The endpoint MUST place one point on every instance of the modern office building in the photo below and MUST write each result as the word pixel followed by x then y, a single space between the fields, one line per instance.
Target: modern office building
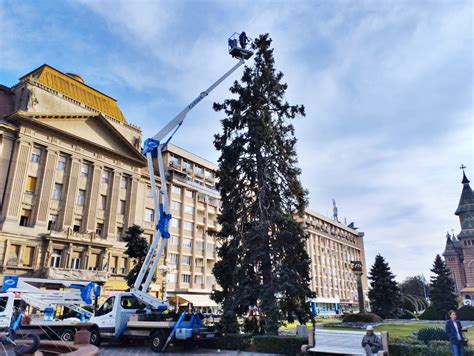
pixel 332 246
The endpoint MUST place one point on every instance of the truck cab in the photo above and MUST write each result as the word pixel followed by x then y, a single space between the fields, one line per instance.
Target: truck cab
pixel 112 316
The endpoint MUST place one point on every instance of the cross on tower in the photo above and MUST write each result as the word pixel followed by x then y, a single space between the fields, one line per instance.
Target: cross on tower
pixel 462 167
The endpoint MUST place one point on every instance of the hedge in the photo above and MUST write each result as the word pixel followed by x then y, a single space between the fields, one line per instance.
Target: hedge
pixel 465 313
pixel 434 348
pixel 240 342
pixel 431 314
pixel 362 318
pixel 288 345
pixel 430 334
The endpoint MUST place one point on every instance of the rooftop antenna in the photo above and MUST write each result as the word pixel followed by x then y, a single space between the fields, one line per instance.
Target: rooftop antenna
pixel 334 211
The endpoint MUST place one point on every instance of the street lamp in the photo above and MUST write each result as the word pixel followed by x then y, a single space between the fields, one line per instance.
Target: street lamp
pixel 356 267
pixel 165 270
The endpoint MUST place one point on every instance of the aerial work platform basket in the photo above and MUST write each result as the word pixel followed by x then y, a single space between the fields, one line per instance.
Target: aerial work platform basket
pixel 237 43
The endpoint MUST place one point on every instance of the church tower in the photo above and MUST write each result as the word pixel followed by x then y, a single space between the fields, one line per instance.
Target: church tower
pixel 459 253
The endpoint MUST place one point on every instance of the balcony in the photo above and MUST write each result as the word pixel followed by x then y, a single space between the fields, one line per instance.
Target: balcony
pixel 75 274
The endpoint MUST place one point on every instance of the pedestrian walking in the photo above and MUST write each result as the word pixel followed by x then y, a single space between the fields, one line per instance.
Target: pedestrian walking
pixel 454 331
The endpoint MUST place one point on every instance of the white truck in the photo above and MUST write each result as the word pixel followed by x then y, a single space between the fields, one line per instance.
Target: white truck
pixel 31 292
pixel 136 314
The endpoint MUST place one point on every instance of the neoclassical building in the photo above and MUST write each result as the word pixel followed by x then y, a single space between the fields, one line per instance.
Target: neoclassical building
pixel 73 179
pixel 459 251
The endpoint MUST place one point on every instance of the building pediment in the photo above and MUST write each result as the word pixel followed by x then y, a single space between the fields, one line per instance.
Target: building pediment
pixel 89 129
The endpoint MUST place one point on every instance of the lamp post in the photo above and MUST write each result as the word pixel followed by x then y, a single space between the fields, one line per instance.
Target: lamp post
pixel 164 286
pixel 356 267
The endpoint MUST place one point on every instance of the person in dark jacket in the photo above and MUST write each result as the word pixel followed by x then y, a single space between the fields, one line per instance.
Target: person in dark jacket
pixel 370 342
pixel 454 331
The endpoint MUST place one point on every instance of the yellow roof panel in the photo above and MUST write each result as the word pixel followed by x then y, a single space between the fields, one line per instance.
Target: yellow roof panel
pixel 75 89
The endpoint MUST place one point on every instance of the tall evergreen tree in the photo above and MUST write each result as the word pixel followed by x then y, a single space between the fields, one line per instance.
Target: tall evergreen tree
pixel 137 248
pixel 263 261
pixel 384 293
pixel 442 294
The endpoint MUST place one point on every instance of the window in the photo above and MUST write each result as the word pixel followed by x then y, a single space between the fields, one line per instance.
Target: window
pixel 188 243
pixel 121 207
pixel 188 225
pixel 36 155
pixel 123 268
pixel 57 191
pixel 175 190
pixel 85 169
pixel 189 193
pixel 119 233
pixel 30 185
pixel 186 165
pixel 99 229
pixel 149 215
pixel 186 260
pixel 131 302
pixel 198 279
pixel 56 258
pixel 186 278
pixel 81 197
pixel 77 225
pixel 53 219
pixel 61 163
pixel 174 240
pixel 25 217
pixel 198 170
pixel 174 160
pixel 113 267
pixel 175 205
pixel 27 258
pixel 123 182
pixel 210 280
pixel 105 176
pixel 76 260
pixel 176 223
pixel 209 174
pixel 199 245
pixel 13 255
pixel 172 258
pixel 94 261
pixel 210 247
pixel 106 308
pixel 172 277
pixel 189 209
pixel 102 202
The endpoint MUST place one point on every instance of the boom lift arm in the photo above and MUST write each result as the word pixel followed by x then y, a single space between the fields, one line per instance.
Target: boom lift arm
pixel 155 145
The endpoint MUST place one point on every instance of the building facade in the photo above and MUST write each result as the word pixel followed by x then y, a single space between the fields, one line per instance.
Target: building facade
pixel 459 251
pixel 73 179
pixel 332 247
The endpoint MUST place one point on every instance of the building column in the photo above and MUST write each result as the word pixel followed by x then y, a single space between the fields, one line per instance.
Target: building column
pixel 91 207
pixel 132 202
pixel 45 188
pixel 70 192
pixel 110 227
pixel 16 183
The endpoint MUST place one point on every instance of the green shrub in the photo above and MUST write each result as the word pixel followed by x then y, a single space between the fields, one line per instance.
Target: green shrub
pixel 405 349
pixel 431 314
pixel 430 334
pixel 288 345
pixel 362 318
pixel 466 313
pixel 240 342
pixel 439 348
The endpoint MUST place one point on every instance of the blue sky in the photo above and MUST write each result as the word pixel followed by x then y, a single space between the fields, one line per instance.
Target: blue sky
pixel 388 90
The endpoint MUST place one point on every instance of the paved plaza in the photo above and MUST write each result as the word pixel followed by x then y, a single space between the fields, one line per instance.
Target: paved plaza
pixel 133 350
